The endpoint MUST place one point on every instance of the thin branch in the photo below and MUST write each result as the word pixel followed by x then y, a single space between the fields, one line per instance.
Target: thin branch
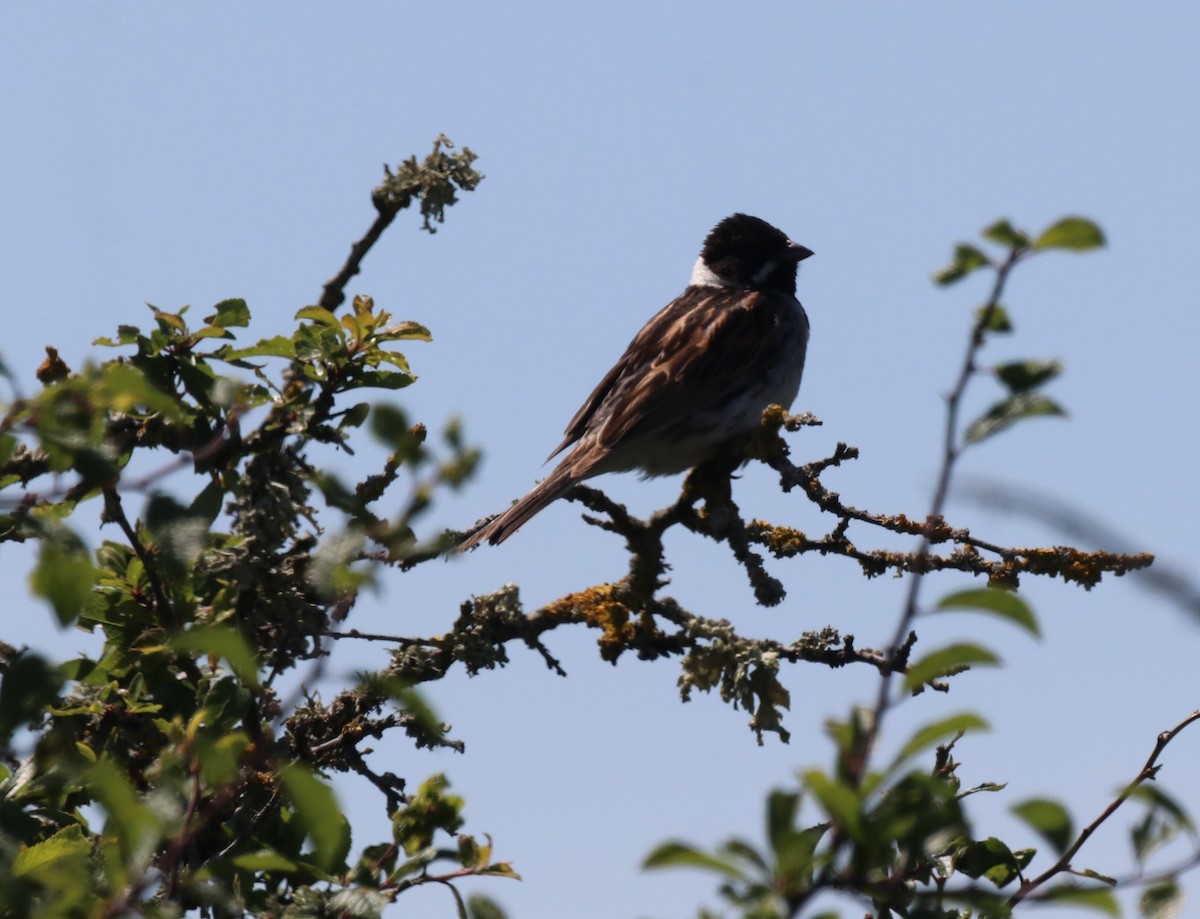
pixel 1148 772
pixel 951 450
pixel 114 512
pixel 333 294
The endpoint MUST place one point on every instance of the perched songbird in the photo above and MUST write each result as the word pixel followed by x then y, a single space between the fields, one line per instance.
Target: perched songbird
pixel 697 376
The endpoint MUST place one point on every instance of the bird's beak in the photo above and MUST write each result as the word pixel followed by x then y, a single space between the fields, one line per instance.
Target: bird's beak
pixel 798 252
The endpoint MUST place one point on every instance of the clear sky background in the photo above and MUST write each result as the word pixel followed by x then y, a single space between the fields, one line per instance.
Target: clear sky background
pixel 185 153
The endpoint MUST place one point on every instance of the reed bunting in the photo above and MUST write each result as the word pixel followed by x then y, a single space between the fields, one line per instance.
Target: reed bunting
pixel 696 377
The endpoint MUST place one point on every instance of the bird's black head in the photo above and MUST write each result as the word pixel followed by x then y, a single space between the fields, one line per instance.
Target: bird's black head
pixel 746 252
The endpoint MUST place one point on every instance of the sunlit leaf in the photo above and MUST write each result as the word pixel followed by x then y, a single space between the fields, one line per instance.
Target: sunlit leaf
pixel 795 858
pixel 1022 376
pixel 1100 899
pixel 319 814
pixel 946 662
pixel 221 758
pixel 67 851
pixel 279 346
pixel 681 855
pixel 356 415
pixel 64 577
pixel 967 258
pixel 1049 819
pixel 407 331
pixel 1008 412
pixel 1077 234
pixel 782 807
pixel 838 800
pixel 738 849
pixel 998 321
pixel 124 388
pixel 482 907
pixel 989 858
pixel 319 315
pixel 1003 233
pixel 1156 799
pixel 1163 900
pixel 937 731
pixel 131 821
pixel 29 684
pixel 222 642
pixel 358 903
pixel 233 313
pixel 1005 604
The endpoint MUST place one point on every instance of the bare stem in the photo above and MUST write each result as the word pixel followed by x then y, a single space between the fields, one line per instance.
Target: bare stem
pixel 1148 772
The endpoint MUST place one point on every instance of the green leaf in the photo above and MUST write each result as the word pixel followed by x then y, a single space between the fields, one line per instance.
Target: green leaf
pixel 989 858
pixel 320 315
pixel 1049 819
pixel 782 807
pixel 1002 603
pixel 29 684
pixel 265 861
pixel 1163 900
pixel 384 379
pixel 180 538
pixel 354 416
pixel 8 446
pixel 206 506
pixel 1096 875
pixel 413 331
pixel 1008 412
pixel 795 858
pixel 936 731
pixel 1077 234
pixel 221 757
pixel 1096 898
pixel 131 821
pixel 279 346
pixel 838 800
pixel 64 577
pixel 67 851
pixel 225 643
pixel 1150 834
pixel 125 388
pixel 430 810
pixel 481 907
pixel 946 662
pixel 967 258
pixel 459 902
pixel 318 813
pixel 358 903
pixel 1002 233
pixel 408 699
pixel 1022 376
pixel 676 854
pixel 998 322
pixel 1158 800
pixel 232 313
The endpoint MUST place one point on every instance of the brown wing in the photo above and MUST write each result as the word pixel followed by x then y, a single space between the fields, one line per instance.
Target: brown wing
pixel 691 357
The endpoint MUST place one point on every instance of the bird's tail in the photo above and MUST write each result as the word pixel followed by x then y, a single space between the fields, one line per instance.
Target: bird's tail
pixel 553 487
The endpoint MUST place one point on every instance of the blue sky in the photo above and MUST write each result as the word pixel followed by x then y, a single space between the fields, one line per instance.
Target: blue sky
pixel 184 153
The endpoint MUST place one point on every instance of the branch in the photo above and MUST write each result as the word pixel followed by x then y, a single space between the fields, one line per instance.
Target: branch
pixel 434 182
pixel 1148 772
pixel 333 294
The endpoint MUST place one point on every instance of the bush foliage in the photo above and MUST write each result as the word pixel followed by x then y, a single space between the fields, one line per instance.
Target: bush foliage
pixel 179 771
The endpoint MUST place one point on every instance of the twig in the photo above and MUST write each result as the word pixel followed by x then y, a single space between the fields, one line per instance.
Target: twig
pixel 951 450
pixel 116 513
pixel 1148 773
pixel 333 294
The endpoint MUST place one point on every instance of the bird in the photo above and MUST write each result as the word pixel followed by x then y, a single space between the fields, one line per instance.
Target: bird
pixel 697 376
